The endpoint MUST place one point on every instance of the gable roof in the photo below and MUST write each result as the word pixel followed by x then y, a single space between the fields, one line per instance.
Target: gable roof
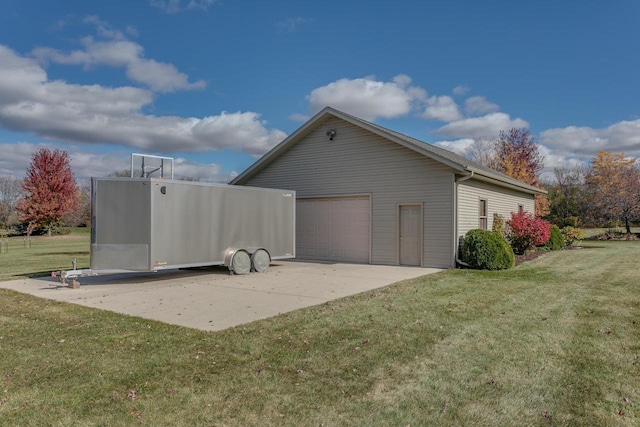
pixel 459 163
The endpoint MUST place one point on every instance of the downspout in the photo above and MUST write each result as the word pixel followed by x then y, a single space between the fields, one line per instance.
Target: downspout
pixel 456 244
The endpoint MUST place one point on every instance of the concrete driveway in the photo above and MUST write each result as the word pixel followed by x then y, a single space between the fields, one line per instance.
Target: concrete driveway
pixel 211 299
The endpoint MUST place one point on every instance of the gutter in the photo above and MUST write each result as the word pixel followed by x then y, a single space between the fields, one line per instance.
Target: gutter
pixel 456 244
pixel 508 182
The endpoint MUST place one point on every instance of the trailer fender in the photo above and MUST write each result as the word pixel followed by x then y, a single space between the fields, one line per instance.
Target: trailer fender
pixel 238 261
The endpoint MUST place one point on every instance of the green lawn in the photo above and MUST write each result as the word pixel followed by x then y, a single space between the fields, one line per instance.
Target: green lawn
pixel 592 232
pixel 555 341
pixel 44 254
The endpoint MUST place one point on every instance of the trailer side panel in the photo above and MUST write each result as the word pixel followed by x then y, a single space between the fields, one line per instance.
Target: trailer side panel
pixel 188 224
pixel 120 227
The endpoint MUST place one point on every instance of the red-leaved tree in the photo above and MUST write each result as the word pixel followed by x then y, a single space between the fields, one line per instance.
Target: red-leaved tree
pixel 526 231
pixel 49 190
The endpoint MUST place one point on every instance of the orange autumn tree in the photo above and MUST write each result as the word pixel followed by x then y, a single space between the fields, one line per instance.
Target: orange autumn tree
pixel 613 186
pixel 519 157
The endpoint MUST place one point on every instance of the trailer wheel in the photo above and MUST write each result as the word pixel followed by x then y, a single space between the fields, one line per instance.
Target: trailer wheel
pixel 260 261
pixel 240 263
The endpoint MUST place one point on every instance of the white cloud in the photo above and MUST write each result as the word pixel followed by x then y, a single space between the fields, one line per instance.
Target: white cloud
pixel 175 6
pixel 555 159
pixel 442 108
pixel 291 24
pixel 241 131
pixel 478 105
pixel 368 98
pixel 120 52
pixel 585 141
pixel 210 172
pixel 16 158
pixel 86 164
pixel 160 76
pixel 105 29
pixel 461 90
pixel 488 126
pixel 92 114
pixel 458 146
pixel 299 117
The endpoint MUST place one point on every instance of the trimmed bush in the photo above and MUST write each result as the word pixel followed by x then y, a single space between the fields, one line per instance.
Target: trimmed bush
pixel 572 235
pixel 526 231
pixel 487 250
pixel 556 241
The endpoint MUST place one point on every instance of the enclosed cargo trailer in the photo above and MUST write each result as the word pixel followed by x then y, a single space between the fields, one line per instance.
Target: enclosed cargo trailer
pixel 148 224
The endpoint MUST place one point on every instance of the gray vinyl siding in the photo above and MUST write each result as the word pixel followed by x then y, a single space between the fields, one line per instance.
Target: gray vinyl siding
pixel 358 162
pixel 500 201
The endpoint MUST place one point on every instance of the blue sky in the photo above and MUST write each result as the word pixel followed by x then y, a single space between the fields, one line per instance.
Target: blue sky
pixel 217 83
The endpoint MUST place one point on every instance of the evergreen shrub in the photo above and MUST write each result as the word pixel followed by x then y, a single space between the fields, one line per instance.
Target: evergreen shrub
pixel 487 250
pixel 556 240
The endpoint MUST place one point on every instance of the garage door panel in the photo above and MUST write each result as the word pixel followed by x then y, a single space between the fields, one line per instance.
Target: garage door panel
pixel 336 229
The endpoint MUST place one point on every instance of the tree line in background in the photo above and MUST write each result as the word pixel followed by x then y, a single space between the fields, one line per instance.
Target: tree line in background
pixel 605 193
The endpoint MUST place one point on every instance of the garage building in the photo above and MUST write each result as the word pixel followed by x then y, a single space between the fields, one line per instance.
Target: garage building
pixel 366 194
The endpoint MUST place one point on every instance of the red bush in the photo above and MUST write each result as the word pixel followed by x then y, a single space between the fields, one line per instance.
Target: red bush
pixel 527 231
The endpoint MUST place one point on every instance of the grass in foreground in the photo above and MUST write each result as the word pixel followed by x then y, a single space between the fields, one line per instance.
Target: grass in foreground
pixel 44 254
pixel 555 341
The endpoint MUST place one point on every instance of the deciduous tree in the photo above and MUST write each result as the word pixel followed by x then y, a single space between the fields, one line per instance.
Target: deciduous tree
pixel 484 151
pixel 519 157
pixel 613 184
pixel 567 196
pixel 81 215
pixel 49 190
pixel 10 192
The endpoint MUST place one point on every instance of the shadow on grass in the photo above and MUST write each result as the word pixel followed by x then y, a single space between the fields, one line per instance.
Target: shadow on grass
pixel 63 253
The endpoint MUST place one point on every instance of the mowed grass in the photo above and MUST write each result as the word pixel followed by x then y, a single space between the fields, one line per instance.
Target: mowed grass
pixel 593 232
pixel 44 254
pixel 555 341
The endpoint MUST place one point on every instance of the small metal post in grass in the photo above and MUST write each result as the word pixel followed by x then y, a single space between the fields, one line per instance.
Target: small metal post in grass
pixel 4 243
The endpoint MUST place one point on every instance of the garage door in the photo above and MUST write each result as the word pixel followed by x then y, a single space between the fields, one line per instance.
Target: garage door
pixel 333 229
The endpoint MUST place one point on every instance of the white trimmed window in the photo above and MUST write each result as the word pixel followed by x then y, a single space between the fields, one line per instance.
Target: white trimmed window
pixel 484 223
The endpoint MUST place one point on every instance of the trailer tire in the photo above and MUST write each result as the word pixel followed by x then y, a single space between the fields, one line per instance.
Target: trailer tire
pixel 260 261
pixel 240 263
